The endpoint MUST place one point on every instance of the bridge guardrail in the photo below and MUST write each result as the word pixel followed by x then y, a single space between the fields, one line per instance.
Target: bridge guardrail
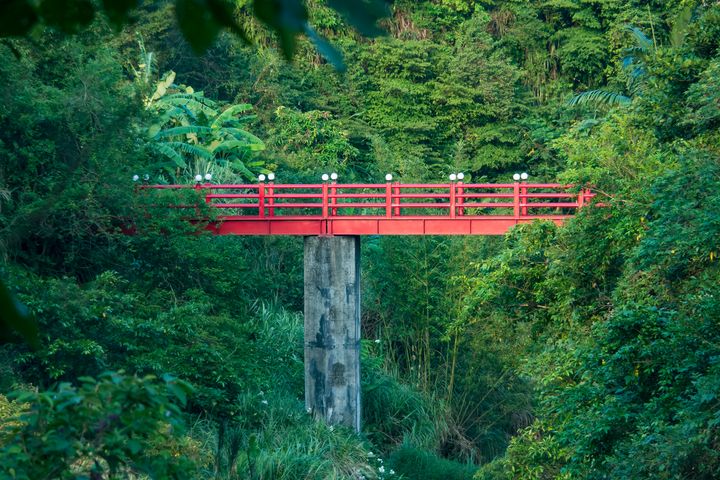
pixel 388 200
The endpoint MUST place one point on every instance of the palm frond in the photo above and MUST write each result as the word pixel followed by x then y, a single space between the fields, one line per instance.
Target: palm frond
pixel 239 134
pixel 680 27
pixel 166 150
pixel 230 145
pixel 174 113
pixel 599 98
pixel 230 113
pixel 644 43
pixel 184 130
pixel 238 165
pixel 189 149
pixel 192 101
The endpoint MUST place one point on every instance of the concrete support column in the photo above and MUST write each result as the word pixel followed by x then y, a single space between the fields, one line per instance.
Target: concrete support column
pixel 332 329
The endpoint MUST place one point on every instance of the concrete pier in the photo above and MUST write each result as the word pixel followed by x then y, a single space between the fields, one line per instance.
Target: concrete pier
pixel 332 329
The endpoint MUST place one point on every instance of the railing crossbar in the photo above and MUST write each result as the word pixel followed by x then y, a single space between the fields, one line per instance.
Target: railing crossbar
pixel 450 200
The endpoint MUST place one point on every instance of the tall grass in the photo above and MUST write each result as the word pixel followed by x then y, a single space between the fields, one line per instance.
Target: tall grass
pixel 394 413
pixel 272 436
pixel 417 464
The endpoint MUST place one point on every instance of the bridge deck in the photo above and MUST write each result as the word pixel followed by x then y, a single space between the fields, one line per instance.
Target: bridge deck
pixel 377 209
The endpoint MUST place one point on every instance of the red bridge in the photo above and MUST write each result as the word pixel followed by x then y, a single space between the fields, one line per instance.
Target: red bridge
pixel 395 208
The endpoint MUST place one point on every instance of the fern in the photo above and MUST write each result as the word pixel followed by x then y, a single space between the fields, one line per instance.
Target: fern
pixel 599 98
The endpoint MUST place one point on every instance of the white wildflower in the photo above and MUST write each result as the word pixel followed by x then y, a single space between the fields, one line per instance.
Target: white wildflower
pixel 381 469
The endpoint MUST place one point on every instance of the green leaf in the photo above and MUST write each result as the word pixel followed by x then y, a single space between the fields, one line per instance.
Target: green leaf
pixel 680 27
pixel 326 49
pixel 184 130
pixel 240 133
pixel 231 145
pixel 134 446
pixel 15 319
pixel 192 101
pixel 16 17
pixel 117 10
pixel 229 114
pixel 286 17
pixel 190 149
pixel 362 14
pixel 642 40
pixel 166 150
pixel 178 391
pixel 243 169
pixel 154 130
pixel 222 13
pixel 196 23
pixel 599 98
pixel 253 447
pixel 67 15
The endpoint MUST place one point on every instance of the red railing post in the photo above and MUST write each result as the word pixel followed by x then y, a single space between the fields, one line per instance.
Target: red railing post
pixel 207 188
pixel 397 199
pixel 333 200
pixel 198 189
pixel 324 200
pixel 271 199
pixel 388 200
pixel 261 200
pixel 524 200
pixel 581 199
pixel 460 198
pixel 452 200
pixel 516 200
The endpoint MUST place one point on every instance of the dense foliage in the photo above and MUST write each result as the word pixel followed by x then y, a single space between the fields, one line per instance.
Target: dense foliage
pixel 583 352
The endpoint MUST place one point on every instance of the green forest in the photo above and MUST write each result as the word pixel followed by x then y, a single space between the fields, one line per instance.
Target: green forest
pixel 585 351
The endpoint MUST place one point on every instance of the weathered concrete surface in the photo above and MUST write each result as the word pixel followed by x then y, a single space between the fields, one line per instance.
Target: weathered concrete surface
pixel 332 329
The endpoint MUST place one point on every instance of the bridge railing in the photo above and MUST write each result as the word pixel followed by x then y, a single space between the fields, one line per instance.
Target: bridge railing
pixel 388 200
